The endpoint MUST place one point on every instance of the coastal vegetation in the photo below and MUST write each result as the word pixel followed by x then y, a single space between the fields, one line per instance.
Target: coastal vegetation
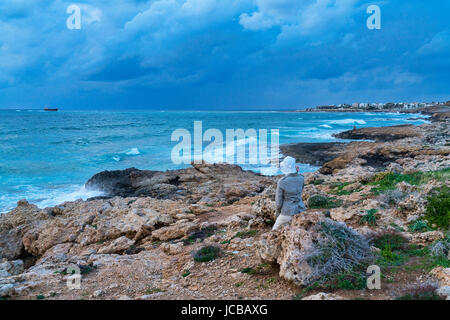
pixel 323 202
pixel 438 208
pixel 206 254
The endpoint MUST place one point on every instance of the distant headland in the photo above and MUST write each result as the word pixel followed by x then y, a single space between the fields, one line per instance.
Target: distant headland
pixel 380 107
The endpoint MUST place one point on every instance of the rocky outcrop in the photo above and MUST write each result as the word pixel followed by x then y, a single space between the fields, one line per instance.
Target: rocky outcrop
pixel 393 144
pixel 122 222
pixel 381 134
pixel 119 245
pixel 203 183
pixel 443 276
pixel 302 249
pixel 315 154
pixel 11 268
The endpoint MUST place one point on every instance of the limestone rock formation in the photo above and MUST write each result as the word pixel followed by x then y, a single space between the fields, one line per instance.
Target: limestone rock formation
pixel 303 249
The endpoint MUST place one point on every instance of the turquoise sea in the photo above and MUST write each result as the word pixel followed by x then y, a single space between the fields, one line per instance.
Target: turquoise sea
pixel 46 157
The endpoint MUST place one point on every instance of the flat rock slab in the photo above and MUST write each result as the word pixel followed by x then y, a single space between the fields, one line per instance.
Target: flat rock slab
pixel 381 134
pixel 316 154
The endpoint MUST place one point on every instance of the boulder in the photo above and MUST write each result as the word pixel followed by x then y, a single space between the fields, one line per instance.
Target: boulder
pixel 172 248
pixel 443 292
pixel 11 268
pixel 11 245
pixel 442 275
pixel 175 231
pixel 300 249
pixel 265 206
pixel 7 290
pixel 119 245
pixel 427 237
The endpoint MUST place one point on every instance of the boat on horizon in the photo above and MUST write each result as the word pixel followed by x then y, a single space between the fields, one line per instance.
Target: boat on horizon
pixel 51 109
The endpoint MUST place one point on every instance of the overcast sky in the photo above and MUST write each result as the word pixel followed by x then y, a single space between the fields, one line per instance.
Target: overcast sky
pixel 222 54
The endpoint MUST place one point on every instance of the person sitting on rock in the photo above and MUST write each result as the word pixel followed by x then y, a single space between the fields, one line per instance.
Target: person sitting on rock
pixel 289 193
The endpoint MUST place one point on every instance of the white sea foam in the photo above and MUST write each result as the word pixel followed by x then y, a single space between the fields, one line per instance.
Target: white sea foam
pixel 268 171
pixel 323 135
pixel 325 126
pixel 74 194
pixel 347 121
pixel 218 155
pixel 133 152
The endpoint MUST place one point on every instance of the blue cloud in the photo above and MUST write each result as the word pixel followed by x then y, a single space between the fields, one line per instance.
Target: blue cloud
pixel 221 53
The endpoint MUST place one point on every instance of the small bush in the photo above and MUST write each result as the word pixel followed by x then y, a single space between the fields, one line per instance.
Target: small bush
pixel 338 188
pixel 419 226
pixel 322 202
pixel 438 208
pixel 370 218
pixel 337 249
pixel 317 182
pixel 350 281
pixel 385 181
pixel 390 258
pixel 248 270
pixel 245 234
pixel 389 239
pixel 202 234
pixel 206 254
pixel 260 269
pixel 392 197
pixel 441 248
pixel 186 274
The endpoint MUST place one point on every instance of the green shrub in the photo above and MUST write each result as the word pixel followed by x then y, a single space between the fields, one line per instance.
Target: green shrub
pixel 306 290
pixel 186 274
pixel 438 208
pixel 385 181
pixel 248 270
pixel 322 202
pixel 206 254
pixel 350 281
pixel 245 234
pixel 370 218
pixel 153 291
pixel 202 234
pixel 317 182
pixel 419 226
pixel 440 262
pixel 393 248
pixel 338 188
pixel 388 257
pixel 389 239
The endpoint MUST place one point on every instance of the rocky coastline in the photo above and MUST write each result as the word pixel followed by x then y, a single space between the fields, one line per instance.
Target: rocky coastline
pixel 146 238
